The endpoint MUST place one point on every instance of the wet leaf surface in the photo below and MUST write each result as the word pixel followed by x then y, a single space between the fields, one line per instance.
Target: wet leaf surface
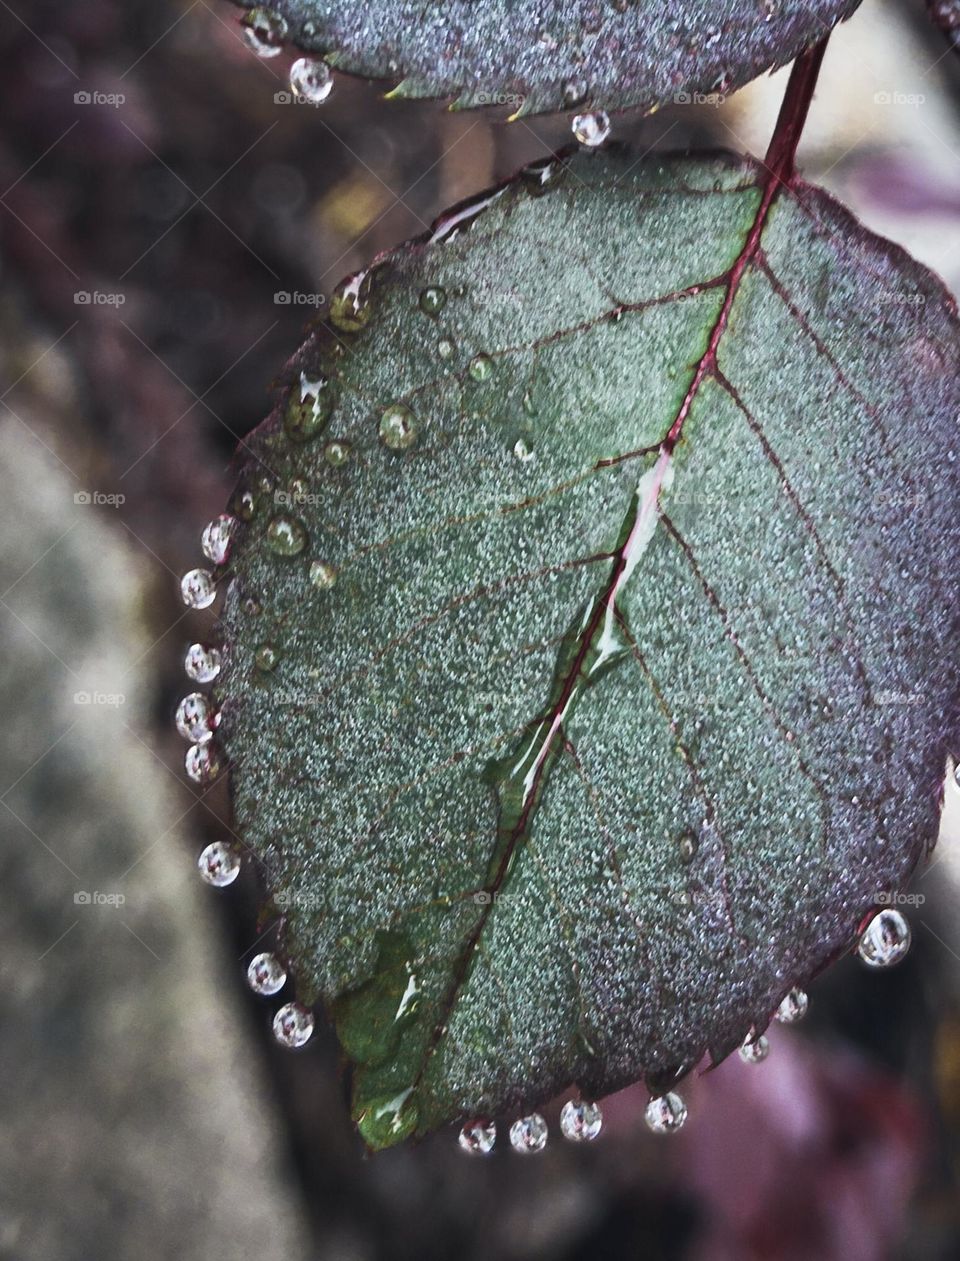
pixel 533 57
pixel 589 652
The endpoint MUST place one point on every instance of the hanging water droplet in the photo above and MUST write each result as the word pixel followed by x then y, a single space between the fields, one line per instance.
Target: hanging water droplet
pixel 580 1121
pixel 308 415
pixel 286 536
pixel 322 575
pixel 478 1137
pixel 397 428
pixel 529 1134
pixel 266 975
pixel 266 657
pixel 591 130
pixel 264 31
pixel 293 1025
pixel 793 1007
pixel 480 367
pixel 219 864
pixel 201 663
pixel 193 718
pixel 433 300
pixel 310 78
pixel 336 453
pixel 202 763
pixel 350 302
pixel 523 451
pixel 753 1050
pixel 885 940
pixel 446 348
pixel 217 537
pixel 198 589
pixel 666 1113
pixel 575 92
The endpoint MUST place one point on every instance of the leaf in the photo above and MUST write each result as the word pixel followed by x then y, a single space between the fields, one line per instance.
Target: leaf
pixel 605 678
pixel 535 56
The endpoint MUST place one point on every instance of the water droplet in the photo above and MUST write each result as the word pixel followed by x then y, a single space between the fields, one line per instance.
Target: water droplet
pixel 793 1007
pixel 478 1137
pixel 433 300
pixel 193 718
pixel 286 536
pixel 336 453
pixel 217 537
pixel 540 176
pixel 580 1121
pixel 885 940
pixel 264 31
pixel 397 428
pixel 480 368
pixel 198 589
pixel 244 504
pixel 322 575
pixel 754 1049
pixel 575 92
pixel 529 406
pixel 687 846
pixel 665 1113
pixel 201 663
pixel 202 763
pixel 266 657
pixel 770 9
pixel 311 78
pixel 293 1025
pixel 593 129
pixel 350 303
pixel 266 974
pixel 523 451
pixel 219 864
pixel 529 1134
pixel 308 415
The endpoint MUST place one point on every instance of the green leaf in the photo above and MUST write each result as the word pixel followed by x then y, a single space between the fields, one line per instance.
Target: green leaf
pixel 534 56
pixel 611 616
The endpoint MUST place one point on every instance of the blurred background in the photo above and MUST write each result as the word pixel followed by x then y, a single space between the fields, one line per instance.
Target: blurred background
pixel 156 199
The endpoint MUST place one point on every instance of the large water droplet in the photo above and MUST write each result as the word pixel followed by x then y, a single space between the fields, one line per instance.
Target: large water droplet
pixel 193 718
pixel 478 1137
pixel 885 940
pixel 433 300
pixel 293 1025
pixel 591 130
pixel 264 31
pixel 529 1134
pixel 350 303
pixel 397 428
pixel 307 415
pixel 198 589
pixel 201 663
pixel 266 974
pixel 666 1113
pixel 322 575
pixel 202 763
pixel 219 864
pixel 480 368
pixel 311 79
pixel 217 537
pixel 754 1049
pixel 580 1121
pixel 523 451
pixel 793 1007
pixel 286 536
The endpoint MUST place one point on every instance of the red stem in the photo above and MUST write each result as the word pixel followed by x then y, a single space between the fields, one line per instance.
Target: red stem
pixel 782 152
